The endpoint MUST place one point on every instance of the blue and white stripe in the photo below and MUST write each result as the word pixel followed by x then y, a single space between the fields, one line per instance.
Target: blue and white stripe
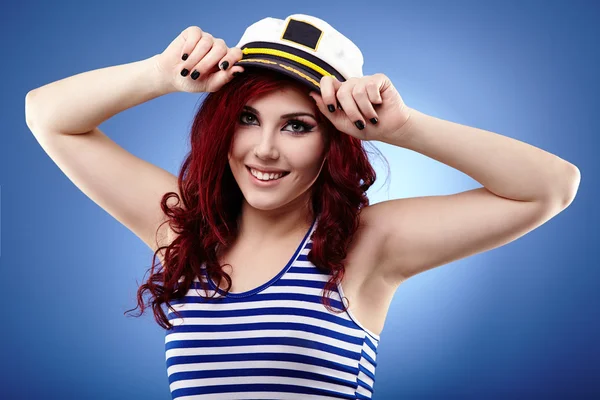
pixel 273 342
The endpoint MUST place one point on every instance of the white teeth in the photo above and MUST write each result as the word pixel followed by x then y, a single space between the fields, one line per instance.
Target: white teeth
pixel 265 176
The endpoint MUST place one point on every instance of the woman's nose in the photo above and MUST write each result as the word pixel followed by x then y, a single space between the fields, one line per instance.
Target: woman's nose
pixel 267 145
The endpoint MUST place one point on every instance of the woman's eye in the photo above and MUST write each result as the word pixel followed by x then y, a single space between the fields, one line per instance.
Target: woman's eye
pixel 297 125
pixel 246 115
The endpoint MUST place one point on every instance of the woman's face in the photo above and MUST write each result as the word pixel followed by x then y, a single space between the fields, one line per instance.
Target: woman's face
pixel 266 139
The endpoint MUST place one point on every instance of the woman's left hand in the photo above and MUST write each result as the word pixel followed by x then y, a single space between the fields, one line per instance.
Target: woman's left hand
pixel 361 99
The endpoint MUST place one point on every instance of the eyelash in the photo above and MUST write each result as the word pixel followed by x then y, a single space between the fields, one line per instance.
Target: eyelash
pixel 307 127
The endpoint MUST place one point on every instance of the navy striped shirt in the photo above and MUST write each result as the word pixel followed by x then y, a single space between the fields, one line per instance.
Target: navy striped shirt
pixel 276 341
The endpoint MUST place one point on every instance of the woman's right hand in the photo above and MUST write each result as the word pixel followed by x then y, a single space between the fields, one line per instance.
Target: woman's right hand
pixel 205 55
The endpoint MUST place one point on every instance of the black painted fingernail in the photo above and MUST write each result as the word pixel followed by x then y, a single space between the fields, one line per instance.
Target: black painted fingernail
pixel 331 107
pixel 195 75
pixel 373 120
pixel 237 73
pixel 359 124
pixel 340 106
pixel 184 57
pixel 224 65
pixel 184 72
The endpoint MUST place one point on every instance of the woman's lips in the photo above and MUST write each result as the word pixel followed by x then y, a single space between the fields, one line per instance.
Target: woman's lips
pixel 271 182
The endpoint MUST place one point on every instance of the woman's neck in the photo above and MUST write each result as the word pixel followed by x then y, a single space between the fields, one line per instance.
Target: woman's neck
pixel 260 227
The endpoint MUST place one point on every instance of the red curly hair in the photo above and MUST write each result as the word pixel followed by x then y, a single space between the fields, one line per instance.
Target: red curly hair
pixel 212 200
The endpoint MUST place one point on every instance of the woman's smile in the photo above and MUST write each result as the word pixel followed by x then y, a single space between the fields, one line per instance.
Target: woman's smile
pixel 265 183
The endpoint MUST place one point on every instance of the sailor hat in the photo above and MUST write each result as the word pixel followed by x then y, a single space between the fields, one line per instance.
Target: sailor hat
pixel 301 46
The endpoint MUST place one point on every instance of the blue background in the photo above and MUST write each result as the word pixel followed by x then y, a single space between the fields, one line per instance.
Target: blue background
pixel 517 322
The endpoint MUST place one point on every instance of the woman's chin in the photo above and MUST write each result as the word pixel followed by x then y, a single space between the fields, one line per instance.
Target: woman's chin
pixel 263 201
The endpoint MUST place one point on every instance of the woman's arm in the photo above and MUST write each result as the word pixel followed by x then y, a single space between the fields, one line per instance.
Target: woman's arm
pixel 524 187
pixel 506 167
pixel 79 103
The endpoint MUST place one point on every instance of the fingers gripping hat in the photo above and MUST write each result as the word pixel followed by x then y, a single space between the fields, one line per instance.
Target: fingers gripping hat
pixel 301 46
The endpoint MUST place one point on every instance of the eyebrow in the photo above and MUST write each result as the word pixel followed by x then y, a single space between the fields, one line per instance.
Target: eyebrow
pixel 291 115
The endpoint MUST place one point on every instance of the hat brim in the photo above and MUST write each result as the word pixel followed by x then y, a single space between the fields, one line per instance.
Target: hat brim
pixel 303 75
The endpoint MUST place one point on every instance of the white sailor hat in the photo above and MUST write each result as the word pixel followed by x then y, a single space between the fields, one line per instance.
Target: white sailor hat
pixel 301 46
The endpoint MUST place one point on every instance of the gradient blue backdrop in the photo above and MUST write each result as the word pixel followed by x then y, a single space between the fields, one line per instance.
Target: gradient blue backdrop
pixel 517 322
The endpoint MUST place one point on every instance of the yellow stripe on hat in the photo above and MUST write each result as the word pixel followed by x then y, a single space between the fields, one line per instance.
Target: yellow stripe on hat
pixel 289 56
pixel 294 70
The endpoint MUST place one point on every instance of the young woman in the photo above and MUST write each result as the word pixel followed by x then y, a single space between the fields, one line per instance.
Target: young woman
pixel 277 271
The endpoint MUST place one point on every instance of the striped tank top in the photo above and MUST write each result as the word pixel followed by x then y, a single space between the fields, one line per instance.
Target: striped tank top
pixel 276 341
